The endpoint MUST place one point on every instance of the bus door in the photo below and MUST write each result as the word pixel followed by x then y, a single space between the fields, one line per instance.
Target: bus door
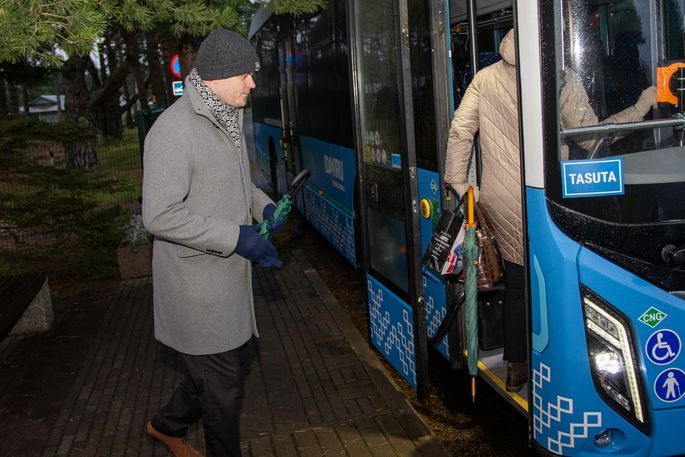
pixel 290 141
pixel 431 101
pixel 605 179
pixel 475 33
pixel 388 185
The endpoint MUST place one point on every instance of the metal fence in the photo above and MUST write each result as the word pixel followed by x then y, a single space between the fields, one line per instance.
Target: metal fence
pixel 118 160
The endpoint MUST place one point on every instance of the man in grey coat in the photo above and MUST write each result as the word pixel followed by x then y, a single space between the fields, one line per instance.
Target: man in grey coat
pixel 199 202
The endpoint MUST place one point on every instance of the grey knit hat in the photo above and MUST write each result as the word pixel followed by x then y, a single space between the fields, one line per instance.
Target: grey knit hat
pixel 224 54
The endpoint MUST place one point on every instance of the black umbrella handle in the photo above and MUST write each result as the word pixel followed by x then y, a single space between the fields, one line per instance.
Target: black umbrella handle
pixel 298 182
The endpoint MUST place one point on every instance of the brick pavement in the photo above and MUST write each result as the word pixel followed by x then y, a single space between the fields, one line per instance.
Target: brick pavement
pixel 313 385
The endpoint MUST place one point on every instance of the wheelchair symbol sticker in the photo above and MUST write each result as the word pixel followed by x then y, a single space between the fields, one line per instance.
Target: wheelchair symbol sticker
pixel 663 347
pixel 670 385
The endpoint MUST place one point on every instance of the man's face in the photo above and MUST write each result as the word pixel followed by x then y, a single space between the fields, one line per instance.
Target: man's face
pixel 234 90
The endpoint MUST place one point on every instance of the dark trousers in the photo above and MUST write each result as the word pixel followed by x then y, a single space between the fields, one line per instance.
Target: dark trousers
pixel 515 315
pixel 209 391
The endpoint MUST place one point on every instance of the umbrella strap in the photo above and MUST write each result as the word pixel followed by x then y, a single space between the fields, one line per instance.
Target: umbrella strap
pixel 450 315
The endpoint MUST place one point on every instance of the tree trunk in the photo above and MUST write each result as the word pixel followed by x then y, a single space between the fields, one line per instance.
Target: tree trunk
pixel 133 59
pixel 14 98
pixel 25 98
pixel 129 116
pixel 4 109
pixel 77 95
pixel 81 156
pixel 187 56
pixel 113 124
pixel 155 70
pixel 110 124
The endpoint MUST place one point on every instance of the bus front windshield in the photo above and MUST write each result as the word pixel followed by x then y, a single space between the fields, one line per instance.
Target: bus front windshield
pixel 612 103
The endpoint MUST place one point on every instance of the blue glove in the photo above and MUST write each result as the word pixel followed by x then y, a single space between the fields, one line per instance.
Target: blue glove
pixel 270 262
pixel 254 247
pixel 268 214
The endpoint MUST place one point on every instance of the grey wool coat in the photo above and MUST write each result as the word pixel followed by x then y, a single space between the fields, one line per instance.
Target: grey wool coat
pixel 197 191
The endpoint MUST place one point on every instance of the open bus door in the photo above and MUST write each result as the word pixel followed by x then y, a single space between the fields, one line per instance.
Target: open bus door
pixel 476 30
pixel 388 185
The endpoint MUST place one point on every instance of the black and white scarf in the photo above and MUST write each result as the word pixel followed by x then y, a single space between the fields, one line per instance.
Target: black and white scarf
pixel 226 115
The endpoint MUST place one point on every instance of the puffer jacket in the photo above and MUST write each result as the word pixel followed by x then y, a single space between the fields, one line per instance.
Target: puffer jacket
pixel 490 106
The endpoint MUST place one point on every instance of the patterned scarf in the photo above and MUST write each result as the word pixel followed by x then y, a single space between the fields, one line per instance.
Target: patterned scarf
pixel 226 115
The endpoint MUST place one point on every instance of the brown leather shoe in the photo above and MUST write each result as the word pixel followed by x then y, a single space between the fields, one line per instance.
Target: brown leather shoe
pixel 178 446
pixel 517 375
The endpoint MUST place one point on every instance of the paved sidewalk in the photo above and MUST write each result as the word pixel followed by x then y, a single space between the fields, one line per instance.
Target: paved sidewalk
pixel 313 388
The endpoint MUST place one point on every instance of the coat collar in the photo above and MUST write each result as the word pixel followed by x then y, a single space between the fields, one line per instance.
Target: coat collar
pixel 200 107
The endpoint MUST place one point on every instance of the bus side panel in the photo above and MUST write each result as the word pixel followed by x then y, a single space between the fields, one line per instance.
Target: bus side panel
pixel 392 332
pixel 436 309
pixel 429 191
pixel 567 411
pixel 333 169
pixel 336 225
pixel 329 193
pixel 433 285
pixel 267 141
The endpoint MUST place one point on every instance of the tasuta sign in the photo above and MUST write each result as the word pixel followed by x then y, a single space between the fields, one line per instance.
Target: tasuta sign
pixel 592 178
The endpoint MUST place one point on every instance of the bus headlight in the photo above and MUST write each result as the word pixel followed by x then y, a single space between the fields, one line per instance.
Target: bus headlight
pixel 614 367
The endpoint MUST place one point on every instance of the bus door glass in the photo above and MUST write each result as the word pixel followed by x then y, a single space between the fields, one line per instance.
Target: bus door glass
pixel 381 149
pixel 614 54
pixel 288 105
pixel 387 171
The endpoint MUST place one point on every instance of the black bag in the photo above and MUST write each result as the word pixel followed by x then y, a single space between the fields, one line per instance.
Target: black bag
pixel 443 254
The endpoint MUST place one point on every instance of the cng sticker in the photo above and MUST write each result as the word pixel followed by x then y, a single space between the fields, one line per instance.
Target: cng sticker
pixel 670 385
pixel 652 317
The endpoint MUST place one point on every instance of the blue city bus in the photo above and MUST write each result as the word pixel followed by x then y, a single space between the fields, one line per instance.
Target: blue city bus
pixel 604 203
pixel 302 116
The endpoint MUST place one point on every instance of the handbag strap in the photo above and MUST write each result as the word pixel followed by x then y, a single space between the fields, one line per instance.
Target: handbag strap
pixel 483 221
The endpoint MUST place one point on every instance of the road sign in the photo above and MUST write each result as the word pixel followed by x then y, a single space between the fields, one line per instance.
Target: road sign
pixel 175 66
pixel 177 86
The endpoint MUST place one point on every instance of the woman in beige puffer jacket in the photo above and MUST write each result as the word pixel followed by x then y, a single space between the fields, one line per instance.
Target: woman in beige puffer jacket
pixel 490 106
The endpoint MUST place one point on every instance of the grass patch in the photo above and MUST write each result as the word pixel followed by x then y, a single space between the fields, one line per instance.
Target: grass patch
pixel 121 160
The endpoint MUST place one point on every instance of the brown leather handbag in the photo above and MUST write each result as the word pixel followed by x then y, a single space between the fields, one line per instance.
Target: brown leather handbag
pixel 490 269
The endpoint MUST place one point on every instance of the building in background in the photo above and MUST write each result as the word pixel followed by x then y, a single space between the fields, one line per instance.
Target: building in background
pixel 47 108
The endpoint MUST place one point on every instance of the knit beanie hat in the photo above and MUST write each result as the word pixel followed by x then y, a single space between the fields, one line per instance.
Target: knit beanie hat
pixel 224 54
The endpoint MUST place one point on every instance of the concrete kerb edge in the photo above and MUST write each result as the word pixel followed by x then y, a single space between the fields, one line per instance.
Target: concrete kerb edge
pixel 383 380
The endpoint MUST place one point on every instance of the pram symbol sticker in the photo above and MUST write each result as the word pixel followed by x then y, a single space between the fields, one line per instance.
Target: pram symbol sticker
pixel 663 347
pixel 670 385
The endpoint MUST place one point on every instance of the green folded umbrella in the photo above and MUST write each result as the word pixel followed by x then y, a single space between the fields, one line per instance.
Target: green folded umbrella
pixel 471 253
pixel 285 204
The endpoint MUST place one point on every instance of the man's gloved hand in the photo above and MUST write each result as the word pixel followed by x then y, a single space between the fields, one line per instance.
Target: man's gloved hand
pixel 276 226
pixel 647 100
pixel 271 262
pixel 255 248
